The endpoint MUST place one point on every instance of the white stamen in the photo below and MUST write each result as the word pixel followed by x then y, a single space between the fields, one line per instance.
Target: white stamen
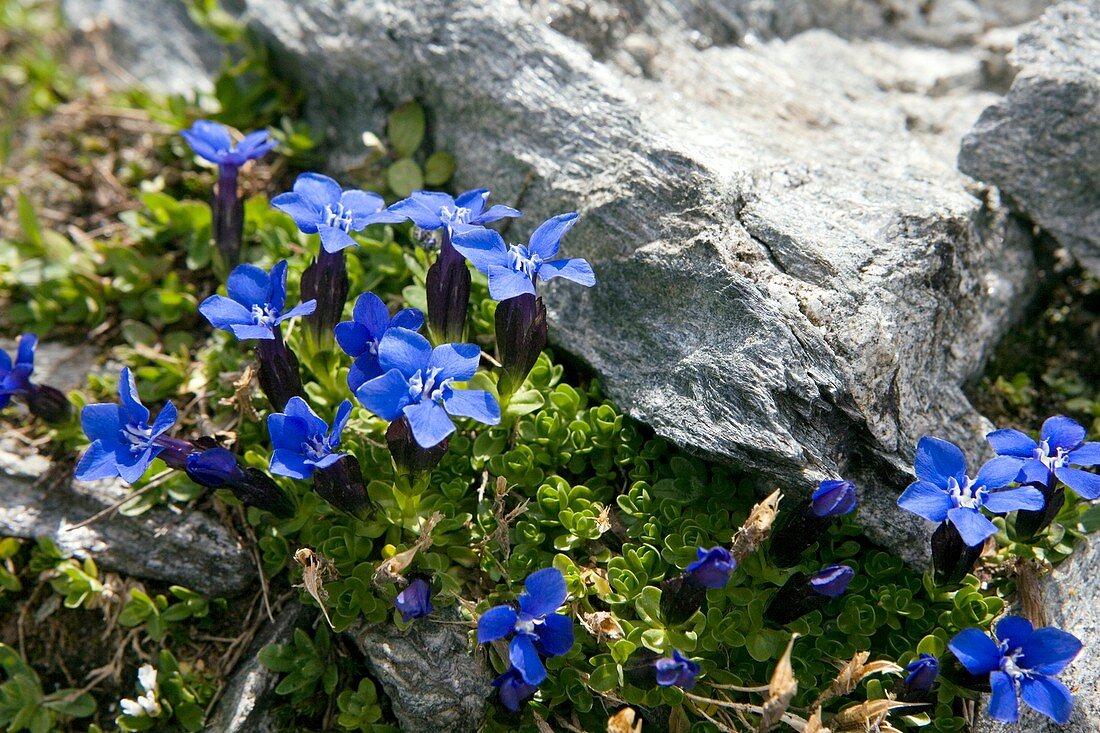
pixel 337 216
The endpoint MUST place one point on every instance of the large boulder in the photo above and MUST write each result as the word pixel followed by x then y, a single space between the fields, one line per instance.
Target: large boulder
pixel 1040 145
pixel 792 275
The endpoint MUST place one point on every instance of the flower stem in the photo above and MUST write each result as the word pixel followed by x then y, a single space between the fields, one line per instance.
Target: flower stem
pixel 227 208
pixel 278 371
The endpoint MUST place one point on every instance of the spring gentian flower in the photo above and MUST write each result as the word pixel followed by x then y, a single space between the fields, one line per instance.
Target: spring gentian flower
pixel 417 382
pixel 302 440
pixel 923 672
pixel 15 378
pixel 432 210
pixel 677 670
pixel 123 441
pixel 255 303
pixel 211 141
pixel 1061 445
pixel 833 499
pixel 513 690
pixel 319 206
pixel 415 601
pixel 218 468
pixel 1021 663
pixel 712 567
pixel 832 581
pixel 537 629
pixel 512 270
pixel 359 337
pixel 944 491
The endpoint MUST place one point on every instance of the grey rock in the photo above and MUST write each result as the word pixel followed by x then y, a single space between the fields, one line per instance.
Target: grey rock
pixel 1040 145
pixel 434 681
pixel 249 696
pixel 1069 595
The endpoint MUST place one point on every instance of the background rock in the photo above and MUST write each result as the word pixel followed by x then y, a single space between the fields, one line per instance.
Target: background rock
pixel 1040 145
pixel 434 683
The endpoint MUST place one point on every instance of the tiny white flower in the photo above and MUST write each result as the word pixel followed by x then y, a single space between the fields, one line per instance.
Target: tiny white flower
pixel 147 678
pixel 131 708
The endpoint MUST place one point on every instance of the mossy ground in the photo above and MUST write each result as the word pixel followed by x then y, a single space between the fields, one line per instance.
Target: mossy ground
pixel 110 243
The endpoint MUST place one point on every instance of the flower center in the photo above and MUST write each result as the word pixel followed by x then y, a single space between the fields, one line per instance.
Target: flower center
pixel 337 216
pixel 422 385
pixel 138 435
pixel 264 315
pixel 316 447
pixel 457 215
pixel 1054 460
pixel 966 495
pixel 526 624
pixel 1008 662
pixel 522 260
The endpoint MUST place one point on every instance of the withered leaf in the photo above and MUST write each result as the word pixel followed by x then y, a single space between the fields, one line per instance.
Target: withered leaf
pixel 781 689
pixel 602 625
pixel 624 722
pixel 756 528
pixel 316 569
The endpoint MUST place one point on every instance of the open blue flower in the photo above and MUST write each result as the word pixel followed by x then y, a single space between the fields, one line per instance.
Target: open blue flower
pixel 359 337
pixel 512 269
pixel 833 498
pixel 415 601
pixel 1021 664
pixel 255 304
pixel 712 567
pixel 211 141
pixel 123 441
pixel 1061 445
pixel 15 379
pixel 431 210
pixel 513 690
pixel 923 672
pixel 832 581
pixel 944 491
pixel 302 441
pixel 676 671
pixel 537 629
pixel 418 382
pixel 319 206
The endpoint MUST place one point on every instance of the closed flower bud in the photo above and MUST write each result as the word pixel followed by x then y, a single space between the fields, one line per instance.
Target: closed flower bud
pixel 341 485
pixel 415 601
pixel 952 558
pixel 326 281
pixel 214 467
pixel 448 294
pixel 923 673
pixel 411 461
pixel 805 524
pixel 278 372
pixel 803 593
pixel 217 468
pixel 521 337
pixel 49 404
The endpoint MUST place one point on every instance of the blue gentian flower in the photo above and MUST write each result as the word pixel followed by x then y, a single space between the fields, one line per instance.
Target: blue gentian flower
pixel 712 568
pixel 537 629
pixel 431 210
pixel 1061 445
pixel 211 141
pixel 677 670
pixel 123 441
pixel 302 440
pixel 832 581
pixel 255 304
pixel 944 491
pixel 1021 663
pixel 512 270
pixel 15 378
pixel 417 382
pixel 359 337
pixel 319 206
pixel 923 672
pixel 833 498
pixel 415 601
pixel 513 690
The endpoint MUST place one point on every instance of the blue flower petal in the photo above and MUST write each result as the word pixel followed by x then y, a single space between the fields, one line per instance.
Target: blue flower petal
pixel 1049 650
pixel 98 462
pixel 299 409
pixel 524 657
pixel 166 418
pixel 276 294
pixel 1034 471
pixel 385 395
pixel 1087 455
pixel 353 338
pixel 302 309
pixel 545 592
pixel 976 651
pixel 290 463
pixel 1003 705
pixel 128 396
pixel 1001 502
pixel 998 472
pixel 1009 442
pixel 318 190
pixel 304 214
pixel 926 500
pixel 455 361
pixel 973 526
pixel 505 283
pixel 473 403
pixel 1062 432
pixel 343 413
pixel 498 212
pixel 326 461
pixel 576 269
pixel 404 350
pixel 555 635
pixel 937 461
pixel 224 312
pixel 134 470
pixel 371 313
pixel 420 215
pixel 484 248
pixel 474 200
pixel 496 623
pixel 361 204
pixel 1048 696
pixel 410 318
pixel 102 421
pixel 429 423
pixel 286 431
pixel 1015 630
pixel 25 350
pixel 248 333
pixel 362 370
pixel 546 239
pixel 1087 485
pixel 249 285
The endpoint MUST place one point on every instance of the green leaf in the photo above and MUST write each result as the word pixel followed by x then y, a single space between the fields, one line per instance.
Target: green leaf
pixel 606 677
pixel 438 168
pixel 406 130
pixel 404 177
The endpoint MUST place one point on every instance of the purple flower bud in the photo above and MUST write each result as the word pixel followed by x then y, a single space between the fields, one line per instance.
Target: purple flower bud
pixel 278 371
pixel 410 460
pixel 415 601
pixel 834 498
pixel 448 293
pixel 326 281
pixel 952 558
pixel 217 468
pixel 922 673
pixel 49 404
pixel 513 690
pixel 341 485
pixel 677 670
pixel 713 567
pixel 832 581
pixel 213 468
pixel 521 337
